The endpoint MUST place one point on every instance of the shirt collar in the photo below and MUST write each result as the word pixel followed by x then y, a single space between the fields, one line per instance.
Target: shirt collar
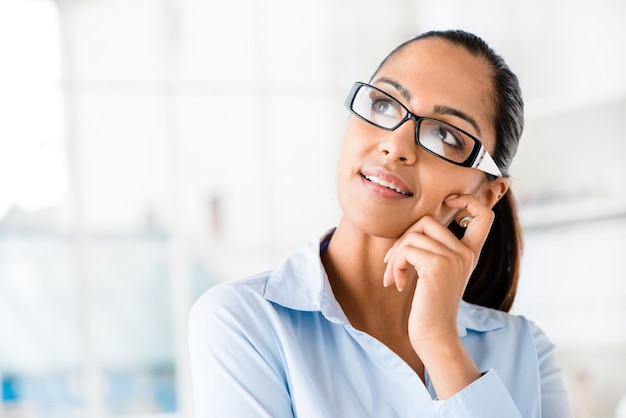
pixel 300 283
pixel 477 318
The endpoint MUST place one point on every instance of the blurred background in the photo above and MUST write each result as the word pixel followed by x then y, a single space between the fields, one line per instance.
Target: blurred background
pixel 152 148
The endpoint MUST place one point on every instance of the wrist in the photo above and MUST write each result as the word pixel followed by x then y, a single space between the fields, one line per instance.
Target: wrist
pixel 449 366
pixel 433 338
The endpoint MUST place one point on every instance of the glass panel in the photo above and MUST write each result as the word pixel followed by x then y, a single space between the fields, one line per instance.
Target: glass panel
pixel 40 344
pixel 131 319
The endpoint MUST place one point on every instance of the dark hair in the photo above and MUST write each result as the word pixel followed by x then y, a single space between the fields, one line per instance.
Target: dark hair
pixel 494 281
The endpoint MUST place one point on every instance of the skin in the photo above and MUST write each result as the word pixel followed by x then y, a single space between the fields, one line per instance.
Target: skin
pixel 397 271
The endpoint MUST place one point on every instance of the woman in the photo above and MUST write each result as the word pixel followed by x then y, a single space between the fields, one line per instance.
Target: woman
pixel 369 321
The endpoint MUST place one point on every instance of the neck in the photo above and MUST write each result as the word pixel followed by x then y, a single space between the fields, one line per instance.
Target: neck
pixel 354 264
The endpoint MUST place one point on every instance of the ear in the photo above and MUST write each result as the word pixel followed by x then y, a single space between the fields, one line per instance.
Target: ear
pixel 492 191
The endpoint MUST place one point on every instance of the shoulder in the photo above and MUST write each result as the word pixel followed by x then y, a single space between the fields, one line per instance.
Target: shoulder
pixel 512 327
pixel 234 319
pixel 230 302
pixel 237 288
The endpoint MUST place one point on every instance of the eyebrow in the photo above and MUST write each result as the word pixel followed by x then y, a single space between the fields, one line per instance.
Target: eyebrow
pixel 438 109
pixel 399 87
pixel 445 110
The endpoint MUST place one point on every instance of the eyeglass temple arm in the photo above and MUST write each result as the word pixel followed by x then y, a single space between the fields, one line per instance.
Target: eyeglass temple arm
pixel 485 163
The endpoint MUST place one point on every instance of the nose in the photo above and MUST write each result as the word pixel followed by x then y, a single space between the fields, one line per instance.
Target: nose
pixel 399 145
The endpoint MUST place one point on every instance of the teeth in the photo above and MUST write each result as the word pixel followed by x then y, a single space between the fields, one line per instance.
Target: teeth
pixel 385 184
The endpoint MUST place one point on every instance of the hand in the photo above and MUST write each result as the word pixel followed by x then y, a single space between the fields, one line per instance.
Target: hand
pixel 429 253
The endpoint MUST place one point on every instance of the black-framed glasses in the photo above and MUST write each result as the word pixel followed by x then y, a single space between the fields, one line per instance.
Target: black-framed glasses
pixel 437 137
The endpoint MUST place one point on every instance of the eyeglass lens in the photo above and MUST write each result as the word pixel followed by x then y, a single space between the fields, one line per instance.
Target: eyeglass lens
pixel 384 111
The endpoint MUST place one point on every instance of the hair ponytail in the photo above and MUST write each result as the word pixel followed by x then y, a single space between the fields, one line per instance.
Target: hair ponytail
pixel 494 281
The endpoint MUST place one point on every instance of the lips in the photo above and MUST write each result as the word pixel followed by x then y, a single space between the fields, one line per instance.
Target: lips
pixel 388 181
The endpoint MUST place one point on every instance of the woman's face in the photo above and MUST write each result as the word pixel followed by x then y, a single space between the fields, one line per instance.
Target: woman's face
pixel 432 78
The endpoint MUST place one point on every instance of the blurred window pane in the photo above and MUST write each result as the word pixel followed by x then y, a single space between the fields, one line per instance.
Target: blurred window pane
pixel 86 319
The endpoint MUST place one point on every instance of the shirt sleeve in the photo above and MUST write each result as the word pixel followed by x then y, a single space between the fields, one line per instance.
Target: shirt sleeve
pixel 554 396
pixel 235 365
pixel 486 397
pixel 489 397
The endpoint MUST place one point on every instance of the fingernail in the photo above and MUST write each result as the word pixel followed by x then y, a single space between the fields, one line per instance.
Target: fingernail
pixel 452 196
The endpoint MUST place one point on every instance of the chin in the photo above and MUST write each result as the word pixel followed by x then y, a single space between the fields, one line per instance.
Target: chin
pixel 386 229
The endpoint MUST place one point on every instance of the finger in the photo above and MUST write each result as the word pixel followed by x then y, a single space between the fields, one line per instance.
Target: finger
pixel 429 237
pixel 427 234
pixel 399 254
pixel 402 277
pixel 481 220
pixel 417 248
pixel 431 228
pixel 403 269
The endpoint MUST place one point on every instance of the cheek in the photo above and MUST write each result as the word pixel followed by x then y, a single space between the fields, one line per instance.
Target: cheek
pixel 346 167
pixel 451 179
pixel 354 148
pixel 437 185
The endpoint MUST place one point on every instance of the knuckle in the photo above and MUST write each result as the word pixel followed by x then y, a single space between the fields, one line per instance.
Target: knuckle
pixel 467 255
pixel 440 262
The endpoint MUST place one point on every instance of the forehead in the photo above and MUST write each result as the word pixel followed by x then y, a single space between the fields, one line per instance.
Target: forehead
pixel 437 72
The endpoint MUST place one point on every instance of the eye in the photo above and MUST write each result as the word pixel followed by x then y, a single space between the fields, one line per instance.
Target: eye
pixel 445 141
pixel 448 137
pixel 385 106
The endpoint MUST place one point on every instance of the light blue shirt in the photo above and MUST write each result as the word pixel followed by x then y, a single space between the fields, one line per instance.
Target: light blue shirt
pixel 279 345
